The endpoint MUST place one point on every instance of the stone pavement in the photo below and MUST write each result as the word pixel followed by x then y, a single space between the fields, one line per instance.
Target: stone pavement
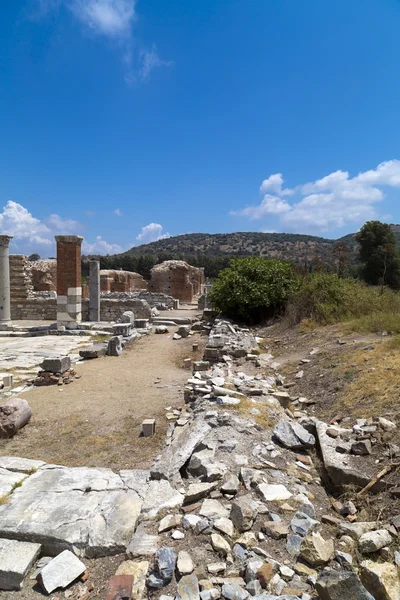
pixel 90 511
pixel 28 353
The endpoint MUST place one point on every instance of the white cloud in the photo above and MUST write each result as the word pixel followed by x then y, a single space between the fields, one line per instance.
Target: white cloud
pixel 100 246
pixel 149 60
pixel 270 205
pixel 17 221
pixel 152 233
pixel 331 202
pixel 118 212
pixel 56 222
pixel 112 18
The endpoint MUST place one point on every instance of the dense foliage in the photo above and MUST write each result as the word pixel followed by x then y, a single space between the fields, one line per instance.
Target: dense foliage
pixel 379 255
pixel 253 288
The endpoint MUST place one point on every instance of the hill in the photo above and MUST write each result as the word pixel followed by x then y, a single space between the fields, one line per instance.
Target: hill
pixel 296 247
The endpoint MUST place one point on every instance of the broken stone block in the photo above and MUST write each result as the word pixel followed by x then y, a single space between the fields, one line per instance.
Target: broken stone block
pixel 61 571
pixel 233 591
pixel 212 509
pixel 20 465
pixel 382 580
pixel 184 563
pixel 160 495
pixel 128 317
pixel 161 329
pixel 292 435
pixel 165 563
pixel 148 427
pixel 338 585
pixel 188 588
pixel 273 492
pixel 16 558
pixel 201 365
pixel 114 347
pixel 230 485
pixel 276 531
pixel 180 450
pixel 14 415
pixel 219 544
pixel 317 551
pixel 196 491
pixel 224 525
pixel 169 522
pixel 93 352
pixel 374 541
pixel 56 365
pixel 243 513
pixel 138 570
pixel 124 329
pixel 361 448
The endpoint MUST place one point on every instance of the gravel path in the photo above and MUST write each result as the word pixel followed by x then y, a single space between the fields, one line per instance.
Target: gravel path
pixel 96 420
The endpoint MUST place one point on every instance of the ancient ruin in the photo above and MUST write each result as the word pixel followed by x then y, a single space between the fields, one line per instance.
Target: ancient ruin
pixel 178 279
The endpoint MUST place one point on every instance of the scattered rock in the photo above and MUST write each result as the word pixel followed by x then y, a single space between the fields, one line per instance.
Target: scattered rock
pixel 316 551
pixel 220 544
pixel 293 435
pixel 188 588
pixel 382 580
pixel 212 509
pixel 138 570
pixel 184 563
pixel 243 513
pixel 16 558
pixel 341 585
pixel 273 492
pixel 61 571
pixel 374 541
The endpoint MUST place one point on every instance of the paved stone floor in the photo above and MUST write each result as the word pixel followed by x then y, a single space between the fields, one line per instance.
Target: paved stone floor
pixel 91 511
pixel 20 353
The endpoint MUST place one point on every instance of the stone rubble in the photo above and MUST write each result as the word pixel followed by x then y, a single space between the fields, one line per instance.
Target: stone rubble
pixel 234 507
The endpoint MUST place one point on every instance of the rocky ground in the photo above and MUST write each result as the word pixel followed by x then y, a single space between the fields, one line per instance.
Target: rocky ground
pixel 253 494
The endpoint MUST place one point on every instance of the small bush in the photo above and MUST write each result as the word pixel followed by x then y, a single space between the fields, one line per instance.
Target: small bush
pixel 253 288
pixel 325 298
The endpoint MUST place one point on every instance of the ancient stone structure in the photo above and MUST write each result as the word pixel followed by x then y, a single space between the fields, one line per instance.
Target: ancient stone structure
pixel 43 274
pixel 5 305
pixel 94 290
pixel 69 290
pixel 178 279
pixel 121 281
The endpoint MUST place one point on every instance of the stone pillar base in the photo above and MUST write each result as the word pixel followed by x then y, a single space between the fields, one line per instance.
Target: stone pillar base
pixel 69 308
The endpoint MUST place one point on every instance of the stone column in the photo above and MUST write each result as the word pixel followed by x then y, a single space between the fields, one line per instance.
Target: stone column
pixel 69 285
pixel 94 290
pixel 5 305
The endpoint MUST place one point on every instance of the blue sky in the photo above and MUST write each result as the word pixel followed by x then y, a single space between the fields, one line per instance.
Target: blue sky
pixel 125 121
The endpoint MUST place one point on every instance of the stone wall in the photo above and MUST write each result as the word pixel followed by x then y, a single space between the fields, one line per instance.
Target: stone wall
pixel 20 278
pixel 121 281
pixel 177 279
pixel 44 274
pixel 35 308
pixel 111 309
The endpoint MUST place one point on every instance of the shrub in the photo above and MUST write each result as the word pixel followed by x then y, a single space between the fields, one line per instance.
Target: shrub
pixel 253 288
pixel 325 298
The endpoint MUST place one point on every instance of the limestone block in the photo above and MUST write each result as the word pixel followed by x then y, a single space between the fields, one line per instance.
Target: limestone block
pixel 61 571
pixel 16 558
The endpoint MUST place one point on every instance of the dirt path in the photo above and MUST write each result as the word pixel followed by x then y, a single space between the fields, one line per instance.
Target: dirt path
pixel 96 420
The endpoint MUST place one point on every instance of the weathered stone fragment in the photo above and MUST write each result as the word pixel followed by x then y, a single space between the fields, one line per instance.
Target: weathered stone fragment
pixel 273 492
pixel 243 513
pixel 184 563
pixel 16 558
pixel 180 450
pixel 142 544
pixel 212 509
pixel 196 491
pixel 233 591
pixel 8 480
pixel 224 525
pixel 220 544
pixel 382 580
pixel 188 588
pixel 341 585
pixel 61 571
pixel 56 365
pixel 292 435
pixel 161 495
pixel 317 551
pixel 20 465
pixel 94 352
pixel 114 347
pixel 138 570
pixel 374 541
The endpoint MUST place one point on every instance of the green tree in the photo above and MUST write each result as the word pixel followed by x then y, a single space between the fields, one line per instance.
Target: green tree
pixel 253 288
pixel 34 256
pixel 379 255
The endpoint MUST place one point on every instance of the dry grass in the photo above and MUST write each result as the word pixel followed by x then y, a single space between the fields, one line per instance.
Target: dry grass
pixel 4 499
pixel 264 419
pixel 373 380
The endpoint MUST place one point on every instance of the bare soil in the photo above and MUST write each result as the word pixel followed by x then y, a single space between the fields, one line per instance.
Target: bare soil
pixel 96 420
